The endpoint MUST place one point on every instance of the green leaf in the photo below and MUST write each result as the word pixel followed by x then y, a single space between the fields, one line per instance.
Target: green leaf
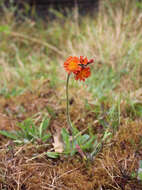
pixel 25 125
pixel 28 132
pixel 84 138
pixel 106 135
pixel 28 128
pixel 53 154
pixel 138 110
pixel 20 134
pixel 32 130
pixel 139 5
pixel 133 174
pixel 43 126
pixel 89 143
pixel 8 134
pixel 140 175
pixel 75 131
pixel 140 164
pixel 46 137
pixel 5 28
pixel 66 140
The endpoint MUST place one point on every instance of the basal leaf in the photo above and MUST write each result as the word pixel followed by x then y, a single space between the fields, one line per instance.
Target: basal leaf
pixel 52 154
pixel 66 140
pixel 43 126
pixel 8 134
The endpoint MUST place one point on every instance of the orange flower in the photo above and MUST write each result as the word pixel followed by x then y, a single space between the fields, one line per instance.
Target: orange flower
pixel 79 66
pixel 83 61
pixel 83 74
pixel 72 64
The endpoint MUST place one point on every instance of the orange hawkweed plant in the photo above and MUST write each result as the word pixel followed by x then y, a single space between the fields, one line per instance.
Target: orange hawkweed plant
pixel 81 71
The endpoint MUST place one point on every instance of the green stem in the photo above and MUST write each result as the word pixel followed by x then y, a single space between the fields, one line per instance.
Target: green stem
pixel 67 99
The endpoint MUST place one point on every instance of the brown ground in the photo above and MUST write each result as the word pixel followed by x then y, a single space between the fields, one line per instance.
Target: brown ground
pixel 110 169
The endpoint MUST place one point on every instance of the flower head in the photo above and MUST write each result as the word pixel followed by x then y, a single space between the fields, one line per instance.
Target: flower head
pixel 83 74
pixel 78 66
pixel 72 64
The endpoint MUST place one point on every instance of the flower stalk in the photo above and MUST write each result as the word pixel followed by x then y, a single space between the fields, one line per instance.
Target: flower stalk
pixel 79 67
pixel 67 100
